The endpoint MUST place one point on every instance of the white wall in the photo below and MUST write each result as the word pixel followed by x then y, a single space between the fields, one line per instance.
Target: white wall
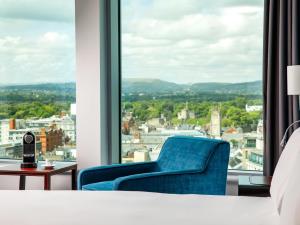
pixel 88 82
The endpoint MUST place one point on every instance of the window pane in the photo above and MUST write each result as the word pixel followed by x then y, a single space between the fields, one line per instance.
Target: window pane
pixel 37 77
pixel 192 68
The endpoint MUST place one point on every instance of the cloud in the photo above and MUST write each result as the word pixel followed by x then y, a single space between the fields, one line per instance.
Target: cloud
pixel 53 37
pixel 190 41
pixel 37 41
pixel 54 10
pixel 165 10
pixel 49 58
pixel 193 41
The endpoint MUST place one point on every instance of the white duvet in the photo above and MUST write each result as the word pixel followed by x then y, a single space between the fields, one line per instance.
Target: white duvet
pixel 132 208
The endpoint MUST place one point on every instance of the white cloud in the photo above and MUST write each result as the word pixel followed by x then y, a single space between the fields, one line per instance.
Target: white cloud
pixel 193 43
pixel 46 59
pixel 53 37
pixel 190 41
pixel 37 42
pixel 133 40
pixel 54 10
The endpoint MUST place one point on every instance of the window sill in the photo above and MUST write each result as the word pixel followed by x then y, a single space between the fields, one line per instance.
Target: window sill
pixel 245 172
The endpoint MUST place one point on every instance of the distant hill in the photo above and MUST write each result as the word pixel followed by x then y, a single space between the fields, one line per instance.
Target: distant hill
pixel 50 87
pixel 254 87
pixel 151 86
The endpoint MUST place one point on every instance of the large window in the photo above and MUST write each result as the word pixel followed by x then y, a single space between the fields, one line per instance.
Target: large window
pixel 37 77
pixel 192 68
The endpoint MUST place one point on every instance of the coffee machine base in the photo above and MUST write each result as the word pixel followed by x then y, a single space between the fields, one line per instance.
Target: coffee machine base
pixel 28 165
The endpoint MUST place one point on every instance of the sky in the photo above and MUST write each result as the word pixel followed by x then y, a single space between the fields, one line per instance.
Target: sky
pixel 182 41
pixel 37 41
pixel 189 41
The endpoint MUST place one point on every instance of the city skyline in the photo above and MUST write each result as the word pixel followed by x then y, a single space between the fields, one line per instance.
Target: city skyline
pixel 129 78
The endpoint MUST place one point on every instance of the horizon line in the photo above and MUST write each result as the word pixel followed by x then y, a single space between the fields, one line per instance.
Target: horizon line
pixel 128 78
pixel 199 82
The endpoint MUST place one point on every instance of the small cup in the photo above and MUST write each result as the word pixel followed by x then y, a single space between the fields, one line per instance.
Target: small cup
pixel 48 162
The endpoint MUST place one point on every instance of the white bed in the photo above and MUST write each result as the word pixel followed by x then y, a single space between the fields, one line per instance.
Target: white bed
pixel 141 208
pixel 132 208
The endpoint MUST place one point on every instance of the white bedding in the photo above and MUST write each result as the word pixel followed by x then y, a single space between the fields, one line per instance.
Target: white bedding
pixel 132 208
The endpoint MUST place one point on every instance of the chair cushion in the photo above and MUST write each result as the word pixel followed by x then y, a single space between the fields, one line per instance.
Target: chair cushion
pixel 290 208
pixel 284 168
pixel 100 186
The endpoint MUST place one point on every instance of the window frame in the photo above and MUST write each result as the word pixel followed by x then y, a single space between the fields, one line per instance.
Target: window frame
pixel 113 9
pixel 119 83
pixel 110 72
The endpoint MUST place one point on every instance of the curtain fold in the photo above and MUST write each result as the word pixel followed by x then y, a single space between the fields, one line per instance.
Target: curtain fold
pixel 281 48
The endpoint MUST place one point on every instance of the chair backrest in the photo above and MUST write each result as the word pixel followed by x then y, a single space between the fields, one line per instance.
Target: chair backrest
pixel 189 153
pixel 284 169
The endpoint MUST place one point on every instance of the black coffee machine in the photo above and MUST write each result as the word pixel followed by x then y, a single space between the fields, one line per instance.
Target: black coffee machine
pixel 29 153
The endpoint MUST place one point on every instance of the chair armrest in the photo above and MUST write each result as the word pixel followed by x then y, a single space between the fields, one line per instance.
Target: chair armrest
pixel 164 182
pixel 111 172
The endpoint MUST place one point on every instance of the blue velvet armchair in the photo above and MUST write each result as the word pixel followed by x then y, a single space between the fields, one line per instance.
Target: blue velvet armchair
pixel 186 165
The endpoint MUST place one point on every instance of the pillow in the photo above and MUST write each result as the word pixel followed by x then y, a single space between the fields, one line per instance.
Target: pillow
pixel 284 168
pixel 290 209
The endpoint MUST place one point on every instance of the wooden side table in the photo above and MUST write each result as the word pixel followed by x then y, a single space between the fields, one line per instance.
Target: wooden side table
pixel 62 167
pixel 253 185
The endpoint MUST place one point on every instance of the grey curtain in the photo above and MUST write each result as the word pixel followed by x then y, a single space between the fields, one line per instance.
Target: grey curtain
pixel 281 48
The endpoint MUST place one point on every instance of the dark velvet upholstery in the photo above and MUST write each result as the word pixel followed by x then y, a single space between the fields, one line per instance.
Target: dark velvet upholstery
pixel 186 165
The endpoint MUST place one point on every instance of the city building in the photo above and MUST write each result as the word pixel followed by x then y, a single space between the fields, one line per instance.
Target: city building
pixel 128 122
pixel 185 113
pixel 253 151
pixel 12 130
pixel 253 108
pixel 16 135
pixel 215 123
pixel 4 131
pixel 64 122
pixel 51 139
pixel 157 122
pixel 15 150
pixel 254 160
pixel 73 109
